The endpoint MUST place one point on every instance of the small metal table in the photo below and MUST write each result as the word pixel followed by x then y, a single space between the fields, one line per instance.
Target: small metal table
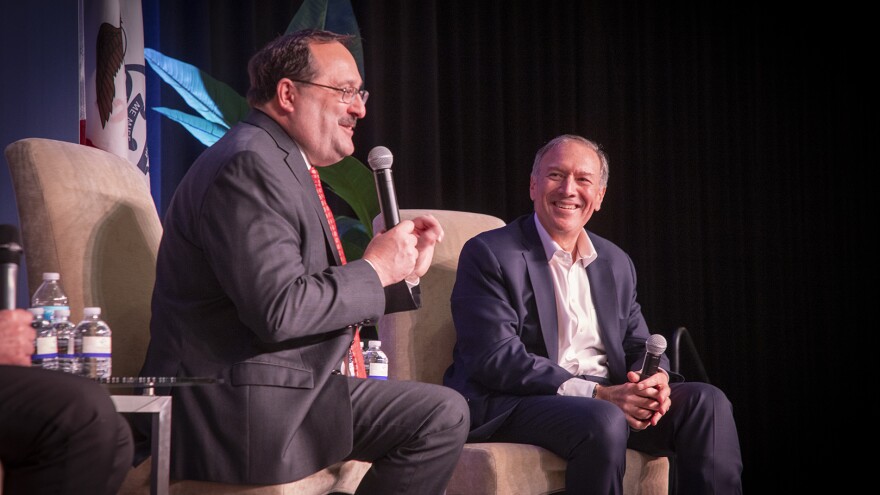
pixel 159 406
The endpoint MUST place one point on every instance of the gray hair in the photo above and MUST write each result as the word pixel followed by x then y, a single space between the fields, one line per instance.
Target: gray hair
pixel 603 159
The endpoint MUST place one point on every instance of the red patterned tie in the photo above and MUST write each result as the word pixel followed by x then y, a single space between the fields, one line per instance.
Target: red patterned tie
pixel 355 351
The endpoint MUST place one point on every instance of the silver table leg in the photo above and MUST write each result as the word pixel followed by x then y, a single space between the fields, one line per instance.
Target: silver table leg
pixel 160 443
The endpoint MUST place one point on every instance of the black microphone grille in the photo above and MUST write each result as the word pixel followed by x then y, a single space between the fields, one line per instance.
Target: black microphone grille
pixel 656 344
pixel 10 244
pixel 380 158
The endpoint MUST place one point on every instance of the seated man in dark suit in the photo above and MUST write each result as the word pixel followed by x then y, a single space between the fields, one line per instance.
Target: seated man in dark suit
pixel 550 339
pixel 253 288
pixel 59 434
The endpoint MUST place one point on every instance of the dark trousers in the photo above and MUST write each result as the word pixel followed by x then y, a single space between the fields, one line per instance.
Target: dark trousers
pixel 412 432
pixel 592 435
pixel 60 434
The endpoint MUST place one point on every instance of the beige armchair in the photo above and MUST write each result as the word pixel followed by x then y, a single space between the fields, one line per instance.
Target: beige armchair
pixel 89 215
pixel 419 347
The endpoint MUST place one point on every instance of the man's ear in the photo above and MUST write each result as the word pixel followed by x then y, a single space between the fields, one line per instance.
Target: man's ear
pixel 285 94
pixel 601 198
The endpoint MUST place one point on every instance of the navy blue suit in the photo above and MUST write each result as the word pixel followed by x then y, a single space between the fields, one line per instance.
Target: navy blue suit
pixel 505 364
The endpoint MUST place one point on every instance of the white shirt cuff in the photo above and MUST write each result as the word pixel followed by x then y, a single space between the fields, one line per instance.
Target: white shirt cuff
pixel 577 387
pixel 410 281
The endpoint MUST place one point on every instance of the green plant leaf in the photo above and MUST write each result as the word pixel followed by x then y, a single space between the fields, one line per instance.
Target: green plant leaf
pixel 352 181
pixel 214 100
pixel 332 15
pixel 206 132
pixel 354 237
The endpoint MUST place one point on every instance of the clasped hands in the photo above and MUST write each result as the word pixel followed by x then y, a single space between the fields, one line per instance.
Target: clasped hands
pixel 643 403
pixel 405 251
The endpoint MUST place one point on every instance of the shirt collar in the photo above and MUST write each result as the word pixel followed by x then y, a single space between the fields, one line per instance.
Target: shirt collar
pixel 303 154
pixel 586 252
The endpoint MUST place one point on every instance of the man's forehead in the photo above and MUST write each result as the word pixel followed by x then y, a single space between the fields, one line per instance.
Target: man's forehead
pixel 578 163
pixel 335 60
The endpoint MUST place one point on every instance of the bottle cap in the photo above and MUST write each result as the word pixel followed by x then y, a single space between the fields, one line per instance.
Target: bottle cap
pixel 91 311
pixel 51 275
pixel 374 342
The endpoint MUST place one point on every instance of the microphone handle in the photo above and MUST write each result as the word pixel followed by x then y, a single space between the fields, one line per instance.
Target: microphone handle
pixel 387 197
pixel 652 364
pixel 8 279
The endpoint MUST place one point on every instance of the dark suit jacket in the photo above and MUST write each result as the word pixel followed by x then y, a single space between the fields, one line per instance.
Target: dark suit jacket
pixel 249 290
pixel 504 309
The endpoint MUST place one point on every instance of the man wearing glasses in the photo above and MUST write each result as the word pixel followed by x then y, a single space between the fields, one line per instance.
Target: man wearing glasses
pixel 252 289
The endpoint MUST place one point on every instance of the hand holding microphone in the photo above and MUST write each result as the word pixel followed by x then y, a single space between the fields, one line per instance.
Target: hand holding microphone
pixel 17 337
pixel 416 238
pixel 392 252
pixel 380 160
pixel 655 346
pixel 10 255
pixel 16 334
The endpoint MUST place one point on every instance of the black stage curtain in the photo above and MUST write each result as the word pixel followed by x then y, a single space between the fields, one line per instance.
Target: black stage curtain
pixel 736 136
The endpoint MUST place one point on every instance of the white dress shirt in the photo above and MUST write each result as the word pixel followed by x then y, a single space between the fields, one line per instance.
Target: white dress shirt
pixel 581 350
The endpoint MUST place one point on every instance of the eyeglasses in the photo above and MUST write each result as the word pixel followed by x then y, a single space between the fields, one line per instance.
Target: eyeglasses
pixel 347 93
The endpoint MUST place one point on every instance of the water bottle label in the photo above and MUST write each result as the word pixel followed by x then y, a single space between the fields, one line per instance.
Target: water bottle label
pixel 96 346
pixel 379 371
pixel 66 347
pixel 49 311
pixel 47 347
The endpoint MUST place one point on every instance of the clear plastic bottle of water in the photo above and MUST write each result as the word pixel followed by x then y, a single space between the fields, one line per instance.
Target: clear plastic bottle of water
pixel 65 332
pixel 93 342
pixel 50 295
pixel 46 354
pixel 375 361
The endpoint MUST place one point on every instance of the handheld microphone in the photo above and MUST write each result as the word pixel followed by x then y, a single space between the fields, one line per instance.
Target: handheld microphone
pixel 10 254
pixel 654 347
pixel 380 159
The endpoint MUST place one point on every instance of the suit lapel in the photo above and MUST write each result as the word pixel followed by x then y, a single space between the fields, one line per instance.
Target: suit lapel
pixel 542 285
pixel 605 302
pixel 297 165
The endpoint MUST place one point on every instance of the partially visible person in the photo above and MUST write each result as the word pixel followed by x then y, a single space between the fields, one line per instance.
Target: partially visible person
pixel 252 289
pixel 550 339
pixel 59 433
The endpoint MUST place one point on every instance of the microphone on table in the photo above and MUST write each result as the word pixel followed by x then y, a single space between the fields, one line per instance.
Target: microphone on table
pixel 654 348
pixel 10 255
pixel 380 159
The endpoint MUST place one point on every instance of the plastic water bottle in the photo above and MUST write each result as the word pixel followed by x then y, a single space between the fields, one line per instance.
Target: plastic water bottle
pixel 50 295
pixel 93 343
pixel 46 354
pixel 65 332
pixel 375 361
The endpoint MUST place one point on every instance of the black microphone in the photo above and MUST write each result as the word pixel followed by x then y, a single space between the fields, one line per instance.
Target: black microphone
pixel 10 255
pixel 654 347
pixel 380 159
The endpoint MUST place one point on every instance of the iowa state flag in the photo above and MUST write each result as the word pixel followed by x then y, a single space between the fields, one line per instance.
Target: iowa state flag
pixel 112 79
